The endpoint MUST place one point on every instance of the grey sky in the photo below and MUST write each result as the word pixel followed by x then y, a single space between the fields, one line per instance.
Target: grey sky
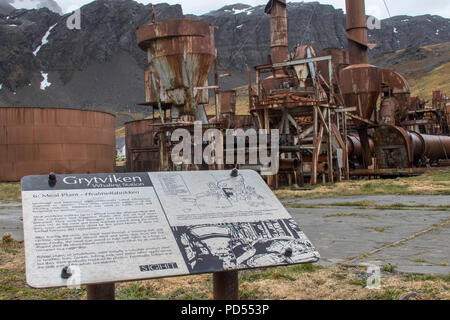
pixel 373 7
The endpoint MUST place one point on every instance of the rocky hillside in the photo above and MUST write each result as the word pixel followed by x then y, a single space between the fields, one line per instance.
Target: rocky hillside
pixel 426 68
pixel 43 63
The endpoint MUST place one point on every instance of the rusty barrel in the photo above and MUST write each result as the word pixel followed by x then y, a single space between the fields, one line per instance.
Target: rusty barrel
pixel 36 141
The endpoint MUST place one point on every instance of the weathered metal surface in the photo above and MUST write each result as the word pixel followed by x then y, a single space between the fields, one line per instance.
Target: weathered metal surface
pixel 278 30
pixel 436 147
pixel 398 88
pixel 181 53
pixel 228 101
pixel 104 291
pixel 392 148
pixel 226 285
pixel 142 145
pixel 355 149
pixel 361 87
pixel 340 61
pixel 388 111
pixel 37 141
pixel 357 31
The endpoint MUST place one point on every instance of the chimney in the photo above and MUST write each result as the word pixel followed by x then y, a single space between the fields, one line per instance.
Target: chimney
pixel 278 30
pixel 357 31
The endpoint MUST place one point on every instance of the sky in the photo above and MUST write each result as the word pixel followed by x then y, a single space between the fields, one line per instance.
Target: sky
pixel 376 8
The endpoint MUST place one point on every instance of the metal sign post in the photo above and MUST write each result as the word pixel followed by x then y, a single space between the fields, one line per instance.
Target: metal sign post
pixel 226 285
pixel 103 291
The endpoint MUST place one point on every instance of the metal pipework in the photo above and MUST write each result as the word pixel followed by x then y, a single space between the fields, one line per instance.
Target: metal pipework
pixel 278 30
pixel 431 147
pixel 355 148
pixel 360 82
pixel 357 31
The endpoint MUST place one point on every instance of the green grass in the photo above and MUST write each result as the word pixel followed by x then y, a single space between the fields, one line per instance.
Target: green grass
pixel 430 183
pixel 10 192
pixel 185 294
pixel 286 273
pixel 249 294
pixel 389 294
pixel 13 286
pixel 426 277
pixel 341 215
pixel 388 268
pixel 359 282
pixel 136 291
pixel 366 204
pixel 419 260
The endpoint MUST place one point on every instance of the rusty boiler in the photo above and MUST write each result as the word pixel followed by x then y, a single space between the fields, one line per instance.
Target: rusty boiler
pixel 181 53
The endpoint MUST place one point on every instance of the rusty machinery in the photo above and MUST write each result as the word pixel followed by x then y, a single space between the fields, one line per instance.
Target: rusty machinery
pixel 423 118
pixel 297 93
pixel 324 104
pixel 309 97
pixel 181 54
pixel 362 85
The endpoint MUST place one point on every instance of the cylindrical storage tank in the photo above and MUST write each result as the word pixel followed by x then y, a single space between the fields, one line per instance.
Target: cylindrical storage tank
pixel 181 53
pixel 36 141
pixel 142 145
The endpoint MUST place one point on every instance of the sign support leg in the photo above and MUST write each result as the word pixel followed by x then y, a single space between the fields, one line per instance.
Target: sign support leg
pixel 103 291
pixel 226 285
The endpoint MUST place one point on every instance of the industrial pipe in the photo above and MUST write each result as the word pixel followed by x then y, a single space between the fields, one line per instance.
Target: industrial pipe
pixel 431 147
pixel 355 148
pixel 278 30
pixel 357 31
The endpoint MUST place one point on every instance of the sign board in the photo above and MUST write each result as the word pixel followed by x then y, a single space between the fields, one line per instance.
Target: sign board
pixel 133 226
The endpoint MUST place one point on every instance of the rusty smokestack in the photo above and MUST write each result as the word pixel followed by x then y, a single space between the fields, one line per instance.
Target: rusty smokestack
pixel 357 31
pixel 278 30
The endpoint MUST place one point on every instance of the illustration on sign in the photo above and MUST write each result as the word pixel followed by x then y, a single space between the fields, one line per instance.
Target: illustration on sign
pixel 206 248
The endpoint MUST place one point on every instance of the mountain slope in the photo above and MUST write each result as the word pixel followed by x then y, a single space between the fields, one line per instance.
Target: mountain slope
pixel 426 68
pixel 43 63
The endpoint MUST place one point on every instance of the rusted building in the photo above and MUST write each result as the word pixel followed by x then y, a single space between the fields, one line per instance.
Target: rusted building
pixel 43 140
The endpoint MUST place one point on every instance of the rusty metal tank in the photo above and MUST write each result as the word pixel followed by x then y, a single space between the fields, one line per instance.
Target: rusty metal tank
pixel 181 53
pixel 142 145
pixel 360 82
pixel 43 140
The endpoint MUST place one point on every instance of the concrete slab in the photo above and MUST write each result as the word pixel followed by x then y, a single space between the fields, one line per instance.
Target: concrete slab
pixel 11 220
pixel 342 234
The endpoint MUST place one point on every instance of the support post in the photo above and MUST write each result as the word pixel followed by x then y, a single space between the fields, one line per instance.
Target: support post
pixel 103 291
pixel 226 285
